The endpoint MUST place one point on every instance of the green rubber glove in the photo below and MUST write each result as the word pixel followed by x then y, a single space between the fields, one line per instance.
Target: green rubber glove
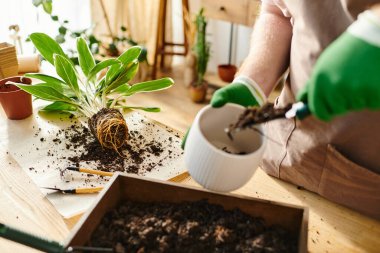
pixel 243 91
pixel 346 77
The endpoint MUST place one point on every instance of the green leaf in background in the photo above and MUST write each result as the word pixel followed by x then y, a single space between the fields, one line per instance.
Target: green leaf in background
pixel 60 39
pixel 86 60
pixel 46 46
pixel 147 109
pixel 37 2
pixel 54 17
pixel 62 30
pixel 45 92
pixel 101 65
pixel 66 71
pixel 128 72
pixel 48 6
pixel 130 55
pixel 60 106
pixel 154 85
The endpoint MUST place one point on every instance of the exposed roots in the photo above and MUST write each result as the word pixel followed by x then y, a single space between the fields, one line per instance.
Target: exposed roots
pixel 109 128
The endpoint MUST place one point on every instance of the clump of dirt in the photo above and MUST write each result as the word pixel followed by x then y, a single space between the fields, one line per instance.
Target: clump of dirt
pixel 137 156
pixel 257 115
pixel 228 151
pixel 187 227
pixel 109 127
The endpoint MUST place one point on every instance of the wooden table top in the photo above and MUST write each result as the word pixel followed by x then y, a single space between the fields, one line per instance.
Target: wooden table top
pixel 332 228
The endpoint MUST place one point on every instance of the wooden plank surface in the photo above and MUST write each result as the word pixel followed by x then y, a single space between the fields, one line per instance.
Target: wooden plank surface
pixel 23 206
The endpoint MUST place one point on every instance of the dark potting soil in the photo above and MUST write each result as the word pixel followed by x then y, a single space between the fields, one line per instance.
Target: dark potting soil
pixel 137 157
pixel 225 149
pixel 187 227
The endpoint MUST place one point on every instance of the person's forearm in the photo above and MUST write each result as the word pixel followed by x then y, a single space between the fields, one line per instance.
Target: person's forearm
pixel 376 9
pixel 269 54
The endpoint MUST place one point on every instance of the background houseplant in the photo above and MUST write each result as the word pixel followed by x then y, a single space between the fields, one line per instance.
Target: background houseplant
pixel 111 46
pixel 86 94
pixel 201 49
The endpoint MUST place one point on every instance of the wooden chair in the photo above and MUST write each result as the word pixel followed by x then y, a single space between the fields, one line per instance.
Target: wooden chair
pixel 161 43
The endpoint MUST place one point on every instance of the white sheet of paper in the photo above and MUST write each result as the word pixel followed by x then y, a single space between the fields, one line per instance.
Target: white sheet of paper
pixel 43 158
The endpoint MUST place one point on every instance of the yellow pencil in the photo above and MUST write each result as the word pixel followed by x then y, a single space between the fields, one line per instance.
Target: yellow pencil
pixel 91 171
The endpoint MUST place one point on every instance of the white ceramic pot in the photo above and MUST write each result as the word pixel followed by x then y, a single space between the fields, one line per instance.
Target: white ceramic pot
pixel 208 164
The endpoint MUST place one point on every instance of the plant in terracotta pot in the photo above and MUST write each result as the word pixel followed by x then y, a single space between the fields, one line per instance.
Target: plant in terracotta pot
pixel 201 49
pixel 84 94
pixel 17 104
pixel 227 72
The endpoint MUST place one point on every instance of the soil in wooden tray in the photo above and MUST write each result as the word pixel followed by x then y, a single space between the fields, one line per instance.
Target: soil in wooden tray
pixel 187 227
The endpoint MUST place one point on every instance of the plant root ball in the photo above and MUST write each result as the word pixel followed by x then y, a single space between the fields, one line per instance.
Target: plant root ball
pixel 109 128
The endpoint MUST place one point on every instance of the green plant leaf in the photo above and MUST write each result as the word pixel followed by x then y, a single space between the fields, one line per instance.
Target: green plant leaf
pixel 127 73
pixel 54 17
pixel 154 85
pixel 101 65
pixel 55 83
pixel 122 88
pixel 45 78
pixel 46 46
pixel 147 109
pixel 45 92
pixel 113 73
pixel 86 60
pixel 60 106
pixel 130 55
pixel 66 71
pixel 48 6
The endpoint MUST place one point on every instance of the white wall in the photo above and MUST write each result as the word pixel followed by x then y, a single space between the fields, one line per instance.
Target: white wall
pixel 30 19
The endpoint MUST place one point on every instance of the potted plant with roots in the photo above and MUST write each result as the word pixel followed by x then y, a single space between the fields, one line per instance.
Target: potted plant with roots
pixel 198 88
pixel 82 93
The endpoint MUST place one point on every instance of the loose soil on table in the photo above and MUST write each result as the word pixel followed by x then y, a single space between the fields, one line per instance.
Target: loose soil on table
pixel 138 156
pixel 187 227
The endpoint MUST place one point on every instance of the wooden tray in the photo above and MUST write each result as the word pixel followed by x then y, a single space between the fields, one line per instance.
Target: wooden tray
pixel 122 187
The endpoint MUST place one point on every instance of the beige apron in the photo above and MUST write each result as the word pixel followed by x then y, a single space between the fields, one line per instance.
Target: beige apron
pixel 339 160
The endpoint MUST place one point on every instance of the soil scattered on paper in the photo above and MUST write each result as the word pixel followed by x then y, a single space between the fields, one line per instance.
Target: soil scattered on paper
pixel 138 156
pixel 187 227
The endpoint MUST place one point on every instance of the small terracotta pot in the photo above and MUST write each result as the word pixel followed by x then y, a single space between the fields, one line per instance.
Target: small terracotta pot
pixel 227 72
pixel 16 103
pixel 198 92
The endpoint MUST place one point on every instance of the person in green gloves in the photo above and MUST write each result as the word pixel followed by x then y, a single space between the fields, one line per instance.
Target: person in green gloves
pixel 331 50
